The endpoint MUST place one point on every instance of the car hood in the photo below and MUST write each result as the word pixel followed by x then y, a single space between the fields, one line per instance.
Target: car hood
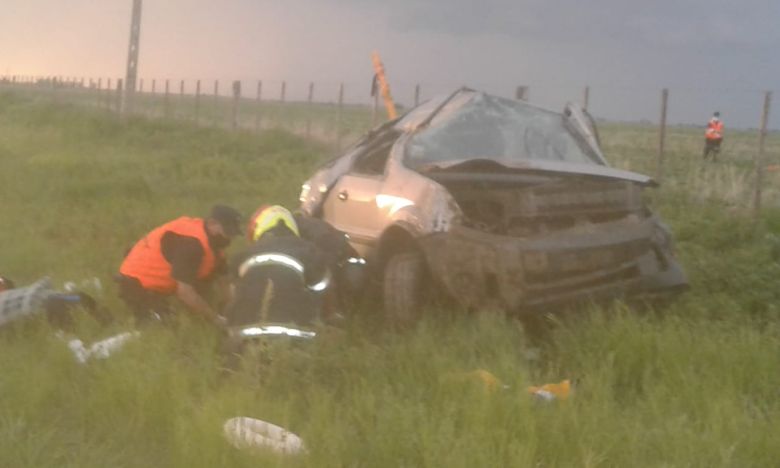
pixel 564 168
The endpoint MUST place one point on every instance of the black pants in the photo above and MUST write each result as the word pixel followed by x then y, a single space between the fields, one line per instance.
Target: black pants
pixel 146 305
pixel 272 294
pixel 712 146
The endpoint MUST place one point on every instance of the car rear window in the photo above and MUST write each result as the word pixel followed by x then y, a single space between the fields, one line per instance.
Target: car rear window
pixel 503 130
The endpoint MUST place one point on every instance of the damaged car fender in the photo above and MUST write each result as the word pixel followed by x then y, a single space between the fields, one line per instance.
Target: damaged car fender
pixel 415 200
pixel 315 189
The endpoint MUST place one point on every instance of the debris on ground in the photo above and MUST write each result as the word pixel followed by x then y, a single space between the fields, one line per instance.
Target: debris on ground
pixel 24 301
pixel 101 349
pixel 552 391
pixel 490 383
pixel 252 434
pixel 481 377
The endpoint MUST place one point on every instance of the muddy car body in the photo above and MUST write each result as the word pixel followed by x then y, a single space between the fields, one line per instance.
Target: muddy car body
pixel 501 203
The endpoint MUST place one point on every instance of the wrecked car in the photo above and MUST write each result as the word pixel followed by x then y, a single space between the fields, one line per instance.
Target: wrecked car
pixel 498 202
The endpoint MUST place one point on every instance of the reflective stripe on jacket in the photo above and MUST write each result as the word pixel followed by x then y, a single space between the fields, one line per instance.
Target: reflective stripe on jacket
pixel 714 130
pixel 146 262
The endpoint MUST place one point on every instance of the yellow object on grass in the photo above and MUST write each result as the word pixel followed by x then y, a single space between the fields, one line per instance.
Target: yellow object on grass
pixel 552 391
pixel 482 377
pixel 491 383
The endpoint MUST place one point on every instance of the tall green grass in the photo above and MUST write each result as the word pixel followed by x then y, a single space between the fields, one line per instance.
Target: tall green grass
pixel 694 383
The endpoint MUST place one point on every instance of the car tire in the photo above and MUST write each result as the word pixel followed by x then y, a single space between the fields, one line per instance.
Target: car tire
pixel 405 285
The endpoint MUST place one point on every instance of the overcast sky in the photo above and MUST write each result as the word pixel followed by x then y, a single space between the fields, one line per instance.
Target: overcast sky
pixel 712 54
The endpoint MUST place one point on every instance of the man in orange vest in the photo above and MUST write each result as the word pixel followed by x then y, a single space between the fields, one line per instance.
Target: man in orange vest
pixel 177 258
pixel 713 136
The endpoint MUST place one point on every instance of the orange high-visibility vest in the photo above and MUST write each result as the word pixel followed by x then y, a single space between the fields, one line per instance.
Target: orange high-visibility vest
pixel 146 262
pixel 714 130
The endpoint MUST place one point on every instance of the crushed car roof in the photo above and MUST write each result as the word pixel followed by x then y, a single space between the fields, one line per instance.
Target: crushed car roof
pixel 468 124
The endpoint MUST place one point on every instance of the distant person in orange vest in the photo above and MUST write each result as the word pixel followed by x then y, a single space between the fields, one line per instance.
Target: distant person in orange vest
pixel 178 259
pixel 713 137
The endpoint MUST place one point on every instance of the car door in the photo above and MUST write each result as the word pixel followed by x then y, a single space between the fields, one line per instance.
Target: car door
pixel 351 205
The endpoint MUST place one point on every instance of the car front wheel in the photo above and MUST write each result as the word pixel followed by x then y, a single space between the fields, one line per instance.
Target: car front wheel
pixel 405 286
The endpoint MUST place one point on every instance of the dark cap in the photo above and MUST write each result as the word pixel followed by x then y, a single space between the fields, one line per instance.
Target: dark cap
pixel 228 217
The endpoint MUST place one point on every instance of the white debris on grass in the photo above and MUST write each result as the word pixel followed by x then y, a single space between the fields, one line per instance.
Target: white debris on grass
pixel 23 302
pixel 101 349
pixel 253 434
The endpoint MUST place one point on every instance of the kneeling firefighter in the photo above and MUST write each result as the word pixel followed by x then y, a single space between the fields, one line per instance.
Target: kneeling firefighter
pixel 278 281
pixel 346 266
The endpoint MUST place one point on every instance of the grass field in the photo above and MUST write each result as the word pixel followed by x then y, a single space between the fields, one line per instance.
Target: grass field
pixel 696 383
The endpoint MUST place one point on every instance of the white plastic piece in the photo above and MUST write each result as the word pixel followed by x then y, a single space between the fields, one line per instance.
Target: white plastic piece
pixel 544 395
pixel 250 433
pixel 101 349
pixel 93 285
pixel 277 330
pixel 79 351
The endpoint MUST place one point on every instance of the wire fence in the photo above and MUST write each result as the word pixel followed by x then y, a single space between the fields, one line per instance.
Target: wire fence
pixel 337 113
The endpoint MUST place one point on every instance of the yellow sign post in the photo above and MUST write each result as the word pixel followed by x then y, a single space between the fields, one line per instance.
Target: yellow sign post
pixel 384 88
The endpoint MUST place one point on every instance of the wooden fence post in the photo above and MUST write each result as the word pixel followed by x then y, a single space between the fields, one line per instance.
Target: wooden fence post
pixel 417 95
pixel 586 98
pixel 197 102
pixel 154 86
pixel 97 91
pixel 283 91
pixel 109 90
pixel 182 112
pixel 109 93
pixel 339 112
pixel 521 93
pixel 216 103
pixel 236 99
pixel 167 100
pixel 375 108
pixel 760 155
pixel 120 109
pixel 309 109
pixel 55 93
pixel 259 99
pixel 662 135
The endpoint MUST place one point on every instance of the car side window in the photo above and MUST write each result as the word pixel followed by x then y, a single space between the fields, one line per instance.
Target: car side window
pixel 372 160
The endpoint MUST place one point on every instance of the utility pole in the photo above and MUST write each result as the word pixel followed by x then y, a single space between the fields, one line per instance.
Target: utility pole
pixel 662 134
pixel 132 58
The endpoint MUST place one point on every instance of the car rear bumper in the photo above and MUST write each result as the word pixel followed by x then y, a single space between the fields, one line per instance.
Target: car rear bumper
pixel 625 257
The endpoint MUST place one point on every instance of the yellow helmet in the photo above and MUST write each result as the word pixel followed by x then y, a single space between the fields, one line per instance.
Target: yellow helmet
pixel 268 217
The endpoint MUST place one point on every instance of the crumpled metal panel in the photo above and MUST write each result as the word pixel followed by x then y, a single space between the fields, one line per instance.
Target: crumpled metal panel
pixel 478 268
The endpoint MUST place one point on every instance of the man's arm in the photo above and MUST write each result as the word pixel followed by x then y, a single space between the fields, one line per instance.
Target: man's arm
pixel 184 253
pixel 190 297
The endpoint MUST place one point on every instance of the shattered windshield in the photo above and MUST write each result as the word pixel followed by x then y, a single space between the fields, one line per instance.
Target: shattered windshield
pixel 502 130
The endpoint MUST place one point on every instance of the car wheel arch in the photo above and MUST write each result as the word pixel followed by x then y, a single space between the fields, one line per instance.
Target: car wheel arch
pixel 395 239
